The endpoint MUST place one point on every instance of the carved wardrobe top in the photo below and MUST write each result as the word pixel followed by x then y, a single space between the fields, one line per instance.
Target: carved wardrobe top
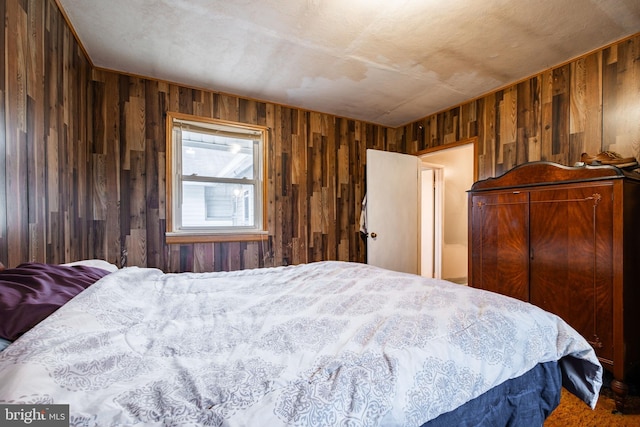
pixel 541 173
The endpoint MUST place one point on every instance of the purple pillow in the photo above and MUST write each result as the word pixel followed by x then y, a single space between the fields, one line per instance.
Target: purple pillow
pixel 32 291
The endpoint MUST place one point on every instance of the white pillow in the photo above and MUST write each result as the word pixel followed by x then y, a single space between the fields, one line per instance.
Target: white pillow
pixel 98 263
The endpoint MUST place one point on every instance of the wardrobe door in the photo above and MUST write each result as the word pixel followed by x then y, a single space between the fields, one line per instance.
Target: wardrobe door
pixel 499 243
pixel 571 244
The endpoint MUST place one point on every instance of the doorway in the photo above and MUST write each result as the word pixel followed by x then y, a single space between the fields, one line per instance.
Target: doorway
pixel 416 210
pixel 447 173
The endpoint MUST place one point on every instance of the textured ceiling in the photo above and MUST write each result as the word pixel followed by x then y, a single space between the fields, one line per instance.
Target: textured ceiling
pixel 381 61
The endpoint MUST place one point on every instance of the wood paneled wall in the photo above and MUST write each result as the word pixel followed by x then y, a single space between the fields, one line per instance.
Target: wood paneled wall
pixel 315 178
pixel 590 104
pixel 45 184
pixel 82 150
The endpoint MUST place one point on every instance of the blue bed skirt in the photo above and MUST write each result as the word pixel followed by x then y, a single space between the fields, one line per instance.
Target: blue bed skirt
pixel 523 401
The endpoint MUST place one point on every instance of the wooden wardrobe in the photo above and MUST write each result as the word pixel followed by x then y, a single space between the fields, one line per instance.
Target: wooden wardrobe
pixel 566 239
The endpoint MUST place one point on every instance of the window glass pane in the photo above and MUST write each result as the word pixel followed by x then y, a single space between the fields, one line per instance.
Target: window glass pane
pixel 217 205
pixel 216 156
pixel 216 180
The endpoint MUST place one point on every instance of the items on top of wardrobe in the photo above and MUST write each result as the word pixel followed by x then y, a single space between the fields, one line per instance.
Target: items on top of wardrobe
pixel 609 158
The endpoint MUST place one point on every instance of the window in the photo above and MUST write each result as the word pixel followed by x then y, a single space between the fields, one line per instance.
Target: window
pixel 215 179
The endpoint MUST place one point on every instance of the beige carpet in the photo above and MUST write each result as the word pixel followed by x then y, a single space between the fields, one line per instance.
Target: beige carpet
pixel 574 412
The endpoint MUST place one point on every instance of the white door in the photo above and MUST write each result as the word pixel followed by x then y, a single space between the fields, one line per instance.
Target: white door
pixel 392 211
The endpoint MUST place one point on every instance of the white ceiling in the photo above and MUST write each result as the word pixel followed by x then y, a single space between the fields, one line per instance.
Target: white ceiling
pixel 388 62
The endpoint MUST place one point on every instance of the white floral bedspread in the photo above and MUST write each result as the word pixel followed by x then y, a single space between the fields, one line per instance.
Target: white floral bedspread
pixel 321 344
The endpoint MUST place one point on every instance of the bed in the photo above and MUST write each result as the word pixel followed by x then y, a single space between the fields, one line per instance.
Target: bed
pixel 320 344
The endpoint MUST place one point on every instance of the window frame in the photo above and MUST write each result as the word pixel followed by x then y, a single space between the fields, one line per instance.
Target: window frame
pixel 174 232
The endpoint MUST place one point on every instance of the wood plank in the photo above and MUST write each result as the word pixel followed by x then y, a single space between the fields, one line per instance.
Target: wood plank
pixel 560 107
pixel 533 127
pixel 271 115
pixel 203 259
pixel 508 121
pixel 154 172
pixel 3 143
pixel 528 104
pixel 136 191
pixel 16 138
pixel 276 183
pixel 593 104
pixel 578 83
pixel 251 255
pixel 300 199
pixel 135 131
pixel 136 247
pixel 547 115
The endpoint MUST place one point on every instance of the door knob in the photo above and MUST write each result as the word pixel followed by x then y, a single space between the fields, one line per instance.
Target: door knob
pixel 374 235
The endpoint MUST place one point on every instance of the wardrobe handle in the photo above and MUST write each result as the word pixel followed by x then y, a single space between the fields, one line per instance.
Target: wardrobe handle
pixel 531 254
